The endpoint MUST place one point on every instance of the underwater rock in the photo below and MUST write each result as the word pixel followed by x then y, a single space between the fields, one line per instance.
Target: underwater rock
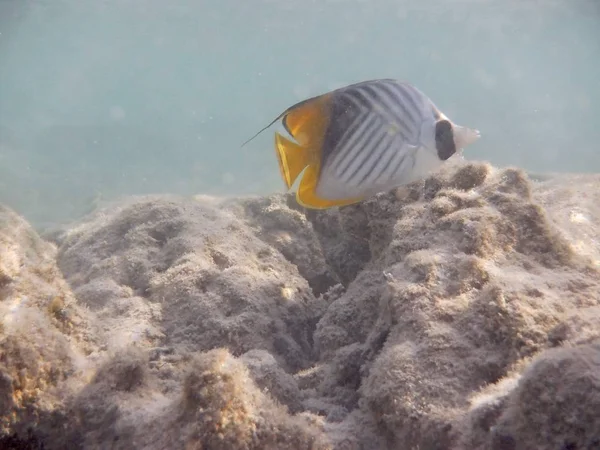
pixel 290 233
pixel 221 408
pixel 457 313
pixel 191 275
pixel 555 404
pixel 45 337
pixel 460 294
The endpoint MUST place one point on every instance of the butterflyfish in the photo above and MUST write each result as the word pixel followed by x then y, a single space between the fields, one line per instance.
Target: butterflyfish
pixel 356 141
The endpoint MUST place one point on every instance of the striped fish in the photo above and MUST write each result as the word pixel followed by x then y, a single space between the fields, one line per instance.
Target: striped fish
pixel 365 138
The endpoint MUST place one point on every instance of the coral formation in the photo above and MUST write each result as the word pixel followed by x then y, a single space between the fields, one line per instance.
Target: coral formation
pixel 462 312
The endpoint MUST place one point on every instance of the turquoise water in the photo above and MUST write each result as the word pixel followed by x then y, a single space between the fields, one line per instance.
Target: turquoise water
pixel 102 98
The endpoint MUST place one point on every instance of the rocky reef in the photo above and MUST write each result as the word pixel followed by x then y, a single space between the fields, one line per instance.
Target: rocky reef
pixel 462 313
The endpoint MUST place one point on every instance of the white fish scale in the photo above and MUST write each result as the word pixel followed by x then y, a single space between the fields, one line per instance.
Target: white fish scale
pixel 404 116
pixel 424 163
pixel 347 141
pixel 349 137
pixel 422 103
pixel 378 148
pixel 378 173
pixel 392 169
pixel 402 171
pixel 374 161
pixel 365 163
pixel 362 151
pixel 381 163
pixel 388 111
pixel 401 102
pixel 344 156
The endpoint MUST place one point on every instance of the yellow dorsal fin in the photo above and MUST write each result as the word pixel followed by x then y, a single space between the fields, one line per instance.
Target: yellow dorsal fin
pixel 307 197
pixel 292 159
pixel 306 121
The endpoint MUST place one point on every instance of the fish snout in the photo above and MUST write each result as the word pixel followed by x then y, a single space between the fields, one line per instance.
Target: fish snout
pixel 464 136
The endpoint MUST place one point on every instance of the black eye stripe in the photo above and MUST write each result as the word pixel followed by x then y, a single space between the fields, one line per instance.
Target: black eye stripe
pixel 444 140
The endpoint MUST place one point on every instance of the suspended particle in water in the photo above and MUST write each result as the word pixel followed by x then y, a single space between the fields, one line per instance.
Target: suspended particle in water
pixel 583 102
pixel 117 113
pixel 336 85
pixel 484 78
pixel 227 178
pixel 301 92
pixel 402 13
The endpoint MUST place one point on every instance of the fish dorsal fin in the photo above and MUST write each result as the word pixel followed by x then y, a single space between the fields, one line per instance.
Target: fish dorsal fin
pixel 263 129
pixel 306 121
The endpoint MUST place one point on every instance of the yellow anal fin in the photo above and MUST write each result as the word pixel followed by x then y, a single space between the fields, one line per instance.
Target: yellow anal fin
pixel 308 120
pixel 292 159
pixel 307 197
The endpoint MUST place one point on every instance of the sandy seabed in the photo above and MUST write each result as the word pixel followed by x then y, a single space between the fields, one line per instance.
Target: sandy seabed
pixel 458 313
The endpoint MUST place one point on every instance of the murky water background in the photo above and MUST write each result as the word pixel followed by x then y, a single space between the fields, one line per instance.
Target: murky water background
pixel 106 98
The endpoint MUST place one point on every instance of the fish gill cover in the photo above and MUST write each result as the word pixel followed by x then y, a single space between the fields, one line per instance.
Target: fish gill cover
pixel 462 312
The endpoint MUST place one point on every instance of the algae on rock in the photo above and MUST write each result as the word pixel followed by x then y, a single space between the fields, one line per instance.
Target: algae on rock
pixel 457 313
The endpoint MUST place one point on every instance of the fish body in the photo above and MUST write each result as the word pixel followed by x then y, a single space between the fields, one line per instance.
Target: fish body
pixel 358 140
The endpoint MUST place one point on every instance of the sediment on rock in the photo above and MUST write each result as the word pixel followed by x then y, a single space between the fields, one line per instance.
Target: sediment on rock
pixel 456 313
